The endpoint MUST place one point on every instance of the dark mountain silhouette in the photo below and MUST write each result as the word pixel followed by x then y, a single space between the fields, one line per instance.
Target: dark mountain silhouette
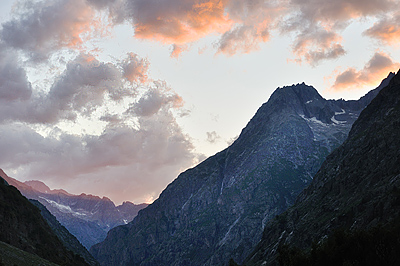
pixel 350 212
pixel 87 217
pixel 23 227
pixel 218 209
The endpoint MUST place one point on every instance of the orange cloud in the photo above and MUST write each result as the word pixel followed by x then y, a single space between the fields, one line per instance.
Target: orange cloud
pixel 373 72
pixel 177 50
pixel 135 69
pixel 44 27
pixel 386 30
pixel 179 23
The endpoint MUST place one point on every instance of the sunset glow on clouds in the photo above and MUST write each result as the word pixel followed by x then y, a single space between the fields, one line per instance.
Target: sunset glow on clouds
pixel 84 109
pixel 376 68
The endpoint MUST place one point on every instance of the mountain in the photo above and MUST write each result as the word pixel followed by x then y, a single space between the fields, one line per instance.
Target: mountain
pixel 10 255
pixel 218 209
pixel 68 240
pixel 23 227
pixel 354 195
pixel 87 217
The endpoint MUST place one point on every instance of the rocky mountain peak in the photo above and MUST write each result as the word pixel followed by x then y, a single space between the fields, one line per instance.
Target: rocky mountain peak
pixel 218 209
pixel 356 187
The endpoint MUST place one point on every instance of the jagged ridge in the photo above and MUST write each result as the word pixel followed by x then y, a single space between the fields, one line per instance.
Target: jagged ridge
pixel 356 187
pixel 218 209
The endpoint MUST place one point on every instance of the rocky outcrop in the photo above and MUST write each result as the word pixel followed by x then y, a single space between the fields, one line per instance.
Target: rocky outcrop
pixel 218 209
pixel 357 187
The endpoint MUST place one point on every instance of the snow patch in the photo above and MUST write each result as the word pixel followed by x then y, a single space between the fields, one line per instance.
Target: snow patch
pixel 63 208
pixel 340 113
pixel 337 122
pixel 314 120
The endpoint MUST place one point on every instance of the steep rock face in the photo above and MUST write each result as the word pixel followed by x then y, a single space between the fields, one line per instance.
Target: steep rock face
pixel 68 240
pixel 22 226
pixel 87 217
pixel 218 209
pixel 357 186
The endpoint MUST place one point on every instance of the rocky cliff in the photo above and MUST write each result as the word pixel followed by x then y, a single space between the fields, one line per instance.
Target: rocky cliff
pixel 218 209
pixel 357 188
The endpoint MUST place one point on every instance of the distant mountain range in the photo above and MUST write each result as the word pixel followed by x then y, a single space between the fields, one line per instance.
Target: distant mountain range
pixel 218 210
pixel 26 238
pixel 87 217
pixel 350 213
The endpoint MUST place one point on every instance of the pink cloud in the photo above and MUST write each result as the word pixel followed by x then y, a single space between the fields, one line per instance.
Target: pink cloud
pixel 135 69
pixel 177 21
pixel 373 72
pixel 41 28
pixel 177 50
pixel 122 163
pixel 315 44
pixel 386 30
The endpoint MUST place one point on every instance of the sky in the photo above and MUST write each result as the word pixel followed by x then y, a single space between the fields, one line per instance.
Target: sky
pixel 115 98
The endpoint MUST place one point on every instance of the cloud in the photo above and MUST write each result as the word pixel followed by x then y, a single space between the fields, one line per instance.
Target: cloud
pixel 139 146
pixel 14 85
pixel 232 140
pixel 140 162
pixel 241 26
pixel 373 72
pixel 386 30
pixel 242 39
pixel 177 21
pixel 177 50
pixel 135 69
pixel 253 22
pixel 244 25
pixel 40 28
pixel 212 137
pixel 341 10
pixel 83 87
pixel 315 44
pixel 155 99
